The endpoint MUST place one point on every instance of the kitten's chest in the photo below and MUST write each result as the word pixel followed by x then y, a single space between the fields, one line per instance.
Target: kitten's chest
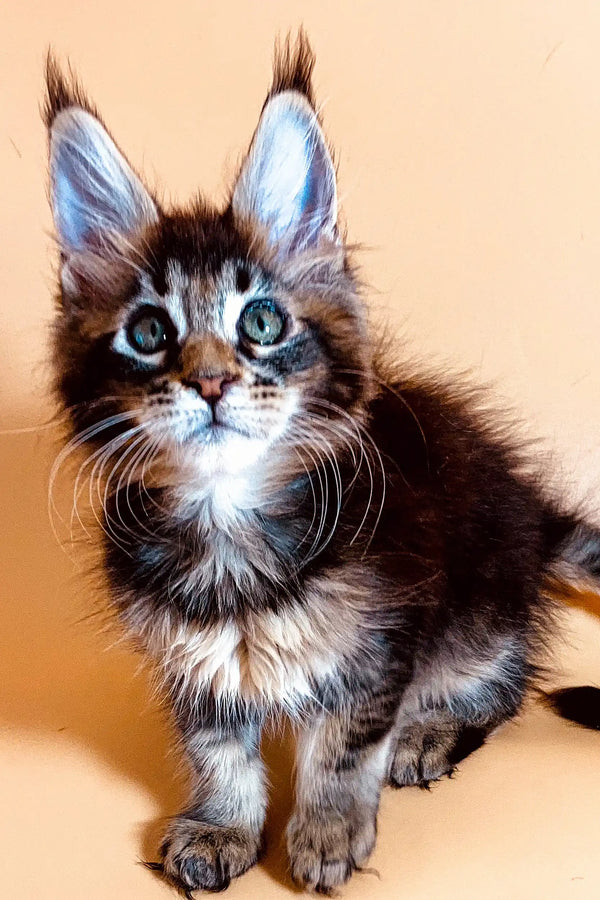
pixel 238 622
pixel 222 569
pixel 273 660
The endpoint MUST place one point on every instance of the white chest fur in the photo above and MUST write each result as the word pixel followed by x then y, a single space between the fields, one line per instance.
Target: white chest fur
pixel 268 659
pixel 273 660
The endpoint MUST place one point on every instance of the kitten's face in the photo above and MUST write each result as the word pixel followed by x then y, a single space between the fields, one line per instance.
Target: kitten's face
pixel 217 363
pixel 217 351
pixel 217 340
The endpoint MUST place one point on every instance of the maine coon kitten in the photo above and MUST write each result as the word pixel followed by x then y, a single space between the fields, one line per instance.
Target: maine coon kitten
pixel 290 525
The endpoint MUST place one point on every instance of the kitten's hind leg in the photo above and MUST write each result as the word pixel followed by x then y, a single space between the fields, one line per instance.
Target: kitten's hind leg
pixel 426 751
pixel 446 715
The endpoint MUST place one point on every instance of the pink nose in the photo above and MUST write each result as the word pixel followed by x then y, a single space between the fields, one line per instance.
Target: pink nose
pixel 210 389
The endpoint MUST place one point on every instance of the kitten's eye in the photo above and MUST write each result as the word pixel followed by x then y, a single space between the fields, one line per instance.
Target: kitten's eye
pixel 262 322
pixel 151 331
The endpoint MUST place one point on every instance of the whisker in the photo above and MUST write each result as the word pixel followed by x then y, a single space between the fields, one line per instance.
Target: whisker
pixel 141 458
pixel 96 478
pixel 155 449
pixel 77 490
pixel 29 429
pixel 398 395
pixel 344 414
pixel 320 443
pixel 322 477
pixel 70 447
pixel 366 458
pixel 314 497
pixel 104 497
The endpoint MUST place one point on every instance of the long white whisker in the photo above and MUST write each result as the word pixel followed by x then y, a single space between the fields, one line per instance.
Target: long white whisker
pixel 365 458
pixel 397 394
pixel 29 429
pixel 105 450
pixel 141 458
pixel 314 497
pixel 103 498
pixel 339 429
pixel 347 438
pixel 339 411
pixel 331 458
pixel 152 454
pixel 323 485
pixel 317 469
pixel 327 459
pixel 96 478
pixel 77 441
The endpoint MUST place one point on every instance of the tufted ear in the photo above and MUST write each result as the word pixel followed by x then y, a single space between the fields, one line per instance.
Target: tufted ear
pixel 98 201
pixel 95 193
pixel 287 181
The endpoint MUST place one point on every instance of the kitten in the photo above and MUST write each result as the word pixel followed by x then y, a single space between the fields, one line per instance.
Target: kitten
pixel 291 525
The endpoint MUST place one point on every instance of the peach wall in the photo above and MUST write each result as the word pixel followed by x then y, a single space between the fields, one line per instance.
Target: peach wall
pixel 468 140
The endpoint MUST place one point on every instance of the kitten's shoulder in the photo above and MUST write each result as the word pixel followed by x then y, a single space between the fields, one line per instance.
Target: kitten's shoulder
pixel 435 423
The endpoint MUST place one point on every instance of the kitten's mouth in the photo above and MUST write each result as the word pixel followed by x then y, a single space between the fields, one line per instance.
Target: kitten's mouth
pixel 219 431
pixel 217 428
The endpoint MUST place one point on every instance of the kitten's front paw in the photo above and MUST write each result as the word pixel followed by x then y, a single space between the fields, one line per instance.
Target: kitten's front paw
pixel 325 848
pixel 198 856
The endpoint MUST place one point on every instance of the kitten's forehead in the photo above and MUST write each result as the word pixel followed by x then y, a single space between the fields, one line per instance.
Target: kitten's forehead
pixel 209 301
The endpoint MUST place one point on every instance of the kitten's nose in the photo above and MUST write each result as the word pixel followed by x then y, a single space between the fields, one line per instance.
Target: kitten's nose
pixel 210 389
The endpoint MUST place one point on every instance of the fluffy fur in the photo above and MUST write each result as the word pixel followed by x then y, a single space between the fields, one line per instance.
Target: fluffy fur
pixel 293 526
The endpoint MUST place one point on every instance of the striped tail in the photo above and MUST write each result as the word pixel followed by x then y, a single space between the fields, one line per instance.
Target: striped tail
pixel 574 549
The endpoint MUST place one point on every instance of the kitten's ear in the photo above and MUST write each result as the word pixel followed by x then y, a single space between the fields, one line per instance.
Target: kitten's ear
pixel 287 181
pixel 96 196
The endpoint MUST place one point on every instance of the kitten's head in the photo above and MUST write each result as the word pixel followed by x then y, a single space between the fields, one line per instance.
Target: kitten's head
pixel 212 336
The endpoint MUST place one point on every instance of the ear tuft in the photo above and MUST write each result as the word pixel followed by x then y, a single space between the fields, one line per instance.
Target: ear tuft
pixel 287 182
pixel 62 91
pixel 293 67
pixel 97 199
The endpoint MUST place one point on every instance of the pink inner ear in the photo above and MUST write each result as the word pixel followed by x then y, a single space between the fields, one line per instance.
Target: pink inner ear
pixel 288 179
pixel 95 192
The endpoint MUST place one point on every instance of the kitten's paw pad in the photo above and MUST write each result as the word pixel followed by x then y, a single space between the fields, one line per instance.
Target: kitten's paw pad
pixel 325 849
pixel 206 857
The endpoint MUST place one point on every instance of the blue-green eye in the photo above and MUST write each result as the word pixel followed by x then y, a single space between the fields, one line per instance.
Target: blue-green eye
pixel 150 332
pixel 262 322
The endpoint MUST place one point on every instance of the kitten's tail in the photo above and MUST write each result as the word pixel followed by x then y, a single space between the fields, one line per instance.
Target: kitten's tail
pixel 578 704
pixel 574 547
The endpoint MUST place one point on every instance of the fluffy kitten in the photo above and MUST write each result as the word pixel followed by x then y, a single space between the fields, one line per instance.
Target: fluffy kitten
pixel 290 525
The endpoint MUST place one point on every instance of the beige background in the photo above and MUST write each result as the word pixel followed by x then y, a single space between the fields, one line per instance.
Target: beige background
pixel 468 140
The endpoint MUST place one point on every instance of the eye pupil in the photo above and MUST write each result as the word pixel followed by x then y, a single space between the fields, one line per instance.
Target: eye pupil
pixel 149 332
pixel 262 322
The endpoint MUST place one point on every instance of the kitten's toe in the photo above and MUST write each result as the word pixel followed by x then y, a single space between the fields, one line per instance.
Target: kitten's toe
pixel 207 857
pixel 324 849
